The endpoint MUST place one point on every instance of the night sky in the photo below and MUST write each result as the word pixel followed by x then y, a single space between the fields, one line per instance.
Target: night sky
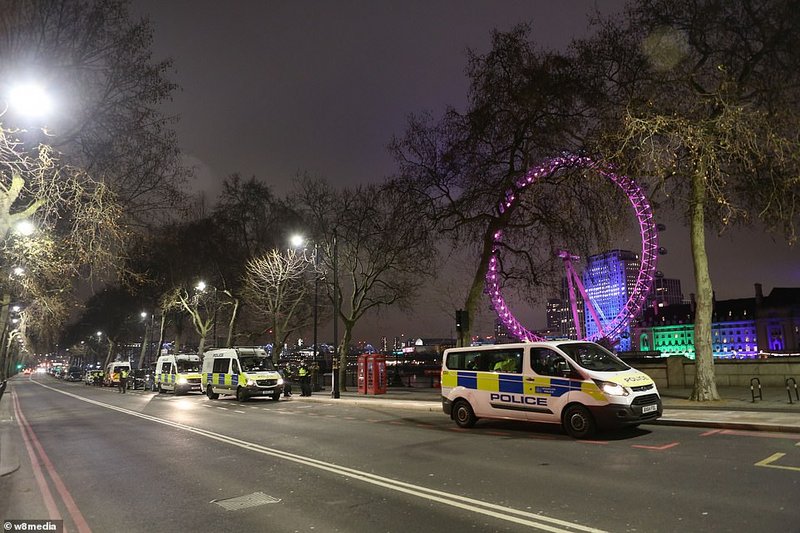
pixel 272 89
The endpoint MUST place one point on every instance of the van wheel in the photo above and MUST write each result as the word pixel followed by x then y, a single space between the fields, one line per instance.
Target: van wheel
pixel 211 394
pixel 463 415
pixel 241 394
pixel 276 396
pixel 578 422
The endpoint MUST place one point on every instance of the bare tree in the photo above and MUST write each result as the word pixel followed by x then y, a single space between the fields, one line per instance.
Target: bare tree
pixel 279 288
pixel 702 97
pixel 523 109
pixel 381 245
pixel 203 307
pixel 75 223
pixel 96 60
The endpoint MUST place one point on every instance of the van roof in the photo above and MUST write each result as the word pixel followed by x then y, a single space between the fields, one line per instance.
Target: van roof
pixel 519 345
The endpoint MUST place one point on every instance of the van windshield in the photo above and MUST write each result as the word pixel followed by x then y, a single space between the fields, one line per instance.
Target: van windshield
pixel 188 366
pixel 252 363
pixel 593 357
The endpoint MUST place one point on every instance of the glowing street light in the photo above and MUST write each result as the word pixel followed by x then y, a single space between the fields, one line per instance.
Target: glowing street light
pixel 24 228
pixel 30 100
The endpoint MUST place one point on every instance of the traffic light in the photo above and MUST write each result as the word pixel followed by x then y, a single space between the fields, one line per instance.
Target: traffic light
pixel 462 320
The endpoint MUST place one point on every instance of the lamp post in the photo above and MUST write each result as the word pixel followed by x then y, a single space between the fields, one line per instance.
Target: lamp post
pixel 297 241
pixel 201 286
pixel 335 365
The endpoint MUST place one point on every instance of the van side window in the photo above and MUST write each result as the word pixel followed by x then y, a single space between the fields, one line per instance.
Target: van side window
pixel 166 367
pixel 546 362
pixel 507 361
pixel 221 366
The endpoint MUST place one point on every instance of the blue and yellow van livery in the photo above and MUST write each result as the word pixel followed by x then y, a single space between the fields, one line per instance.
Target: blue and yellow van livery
pixel 179 373
pixel 243 372
pixel 575 383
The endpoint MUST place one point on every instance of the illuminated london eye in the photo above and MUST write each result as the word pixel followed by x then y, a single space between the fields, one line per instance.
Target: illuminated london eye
pixel 610 327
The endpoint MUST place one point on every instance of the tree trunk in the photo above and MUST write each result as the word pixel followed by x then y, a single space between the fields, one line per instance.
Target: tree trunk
pixel 232 323
pixel 342 353
pixel 4 311
pixel 476 289
pixel 705 387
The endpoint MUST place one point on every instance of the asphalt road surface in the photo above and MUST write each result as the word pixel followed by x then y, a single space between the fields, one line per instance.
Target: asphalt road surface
pixel 103 461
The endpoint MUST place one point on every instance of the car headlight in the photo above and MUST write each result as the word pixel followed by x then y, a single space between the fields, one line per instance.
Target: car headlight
pixel 182 380
pixel 612 389
pixel 280 381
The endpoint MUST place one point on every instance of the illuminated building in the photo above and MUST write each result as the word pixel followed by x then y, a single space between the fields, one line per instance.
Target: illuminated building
pixel 665 291
pixel 609 279
pixel 741 328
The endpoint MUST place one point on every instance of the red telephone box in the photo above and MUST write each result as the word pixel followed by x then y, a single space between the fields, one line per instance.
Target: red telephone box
pixel 371 374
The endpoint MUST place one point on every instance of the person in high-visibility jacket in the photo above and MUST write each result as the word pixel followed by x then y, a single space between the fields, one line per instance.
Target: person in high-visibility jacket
pixel 305 379
pixel 123 380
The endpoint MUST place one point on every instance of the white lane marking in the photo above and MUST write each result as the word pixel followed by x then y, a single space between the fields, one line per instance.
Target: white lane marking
pixel 237 411
pixel 464 503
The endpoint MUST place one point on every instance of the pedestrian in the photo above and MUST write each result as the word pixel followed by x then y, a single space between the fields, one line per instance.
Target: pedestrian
pixel 287 384
pixel 305 379
pixel 123 380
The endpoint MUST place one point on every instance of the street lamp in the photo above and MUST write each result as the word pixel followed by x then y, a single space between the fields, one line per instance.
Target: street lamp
pixel 201 287
pixel 297 241
pixel 30 99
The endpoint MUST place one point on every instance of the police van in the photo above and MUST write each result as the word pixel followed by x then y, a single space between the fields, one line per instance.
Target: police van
pixel 179 373
pixel 243 372
pixel 577 384
pixel 113 370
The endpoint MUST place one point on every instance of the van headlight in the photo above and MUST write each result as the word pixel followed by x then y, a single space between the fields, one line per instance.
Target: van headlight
pixel 181 380
pixel 251 383
pixel 612 389
pixel 280 381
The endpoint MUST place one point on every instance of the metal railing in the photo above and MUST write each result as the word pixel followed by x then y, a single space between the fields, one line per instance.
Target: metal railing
pixel 753 383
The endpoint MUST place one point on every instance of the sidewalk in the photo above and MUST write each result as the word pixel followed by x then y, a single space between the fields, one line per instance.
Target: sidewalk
pixel 736 409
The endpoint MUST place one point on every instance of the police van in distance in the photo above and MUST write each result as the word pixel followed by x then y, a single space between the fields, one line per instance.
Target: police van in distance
pixel 577 384
pixel 113 371
pixel 179 373
pixel 243 372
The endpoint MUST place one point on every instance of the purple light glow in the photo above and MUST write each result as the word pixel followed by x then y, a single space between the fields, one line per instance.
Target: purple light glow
pixel 649 255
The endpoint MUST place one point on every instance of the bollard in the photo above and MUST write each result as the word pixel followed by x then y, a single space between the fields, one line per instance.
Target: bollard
pixel 752 389
pixel 3 386
pixel 789 391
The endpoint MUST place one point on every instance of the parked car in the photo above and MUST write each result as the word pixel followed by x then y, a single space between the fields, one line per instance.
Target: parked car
pixel 74 374
pixel 136 379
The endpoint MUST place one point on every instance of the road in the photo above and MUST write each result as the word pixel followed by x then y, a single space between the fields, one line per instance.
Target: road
pixel 148 462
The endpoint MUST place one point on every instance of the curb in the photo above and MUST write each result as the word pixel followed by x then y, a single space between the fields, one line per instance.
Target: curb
pixel 428 406
pixel 9 459
pixel 717 424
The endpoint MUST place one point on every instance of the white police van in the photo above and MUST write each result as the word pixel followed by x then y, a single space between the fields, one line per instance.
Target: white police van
pixel 179 373
pixel 243 372
pixel 578 384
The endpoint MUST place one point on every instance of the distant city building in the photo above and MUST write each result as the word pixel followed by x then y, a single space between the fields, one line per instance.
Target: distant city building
pixel 609 279
pixel 665 291
pixel 741 328
pixel 554 313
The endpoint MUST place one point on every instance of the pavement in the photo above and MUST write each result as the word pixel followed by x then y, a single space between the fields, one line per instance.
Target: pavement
pixel 735 410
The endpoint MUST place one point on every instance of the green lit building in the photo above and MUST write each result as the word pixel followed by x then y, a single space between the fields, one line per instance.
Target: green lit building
pixel 741 328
